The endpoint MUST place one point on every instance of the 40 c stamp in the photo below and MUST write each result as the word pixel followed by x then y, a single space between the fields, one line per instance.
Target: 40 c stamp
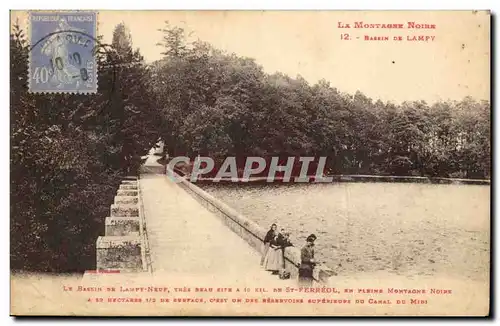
pixel 62 55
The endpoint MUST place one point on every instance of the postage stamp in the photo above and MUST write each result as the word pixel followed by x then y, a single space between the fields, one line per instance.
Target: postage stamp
pixel 62 56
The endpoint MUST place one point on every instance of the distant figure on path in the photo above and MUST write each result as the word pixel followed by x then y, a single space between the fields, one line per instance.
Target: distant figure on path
pixel 307 262
pixel 273 261
pixel 267 239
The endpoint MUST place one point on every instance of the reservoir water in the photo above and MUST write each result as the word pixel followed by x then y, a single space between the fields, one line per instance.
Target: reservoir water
pixel 406 229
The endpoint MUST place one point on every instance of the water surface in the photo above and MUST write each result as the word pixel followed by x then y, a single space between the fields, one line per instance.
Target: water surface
pixel 407 229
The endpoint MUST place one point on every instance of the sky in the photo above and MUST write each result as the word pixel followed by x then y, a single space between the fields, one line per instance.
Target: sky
pixel 454 65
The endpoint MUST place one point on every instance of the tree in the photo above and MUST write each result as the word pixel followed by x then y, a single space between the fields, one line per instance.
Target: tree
pixel 218 104
pixel 68 154
pixel 122 41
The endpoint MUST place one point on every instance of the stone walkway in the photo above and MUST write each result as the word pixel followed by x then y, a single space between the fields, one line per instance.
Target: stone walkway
pixel 185 238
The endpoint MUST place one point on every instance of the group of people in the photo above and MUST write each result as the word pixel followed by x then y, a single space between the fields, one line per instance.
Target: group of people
pixel 273 258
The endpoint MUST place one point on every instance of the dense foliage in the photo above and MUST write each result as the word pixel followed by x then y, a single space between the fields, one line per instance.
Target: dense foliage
pixel 68 152
pixel 220 105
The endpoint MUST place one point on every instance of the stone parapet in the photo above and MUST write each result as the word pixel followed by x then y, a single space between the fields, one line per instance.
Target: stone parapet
pixel 124 245
pixel 122 253
pixel 250 231
pixel 129 182
pixel 123 225
pixel 127 192
pixel 128 187
pixel 134 200
pixel 124 210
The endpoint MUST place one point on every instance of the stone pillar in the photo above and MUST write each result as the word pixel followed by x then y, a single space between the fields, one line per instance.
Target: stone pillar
pixel 128 186
pixel 119 252
pixel 123 225
pixel 124 210
pixel 130 200
pixel 122 247
pixel 127 192
pixel 129 182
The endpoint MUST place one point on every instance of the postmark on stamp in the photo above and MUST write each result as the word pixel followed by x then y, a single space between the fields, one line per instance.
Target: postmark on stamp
pixel 62 56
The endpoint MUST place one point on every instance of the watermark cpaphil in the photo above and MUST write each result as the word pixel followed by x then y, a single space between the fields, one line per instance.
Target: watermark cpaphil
pixel 271 169
pixel 63 59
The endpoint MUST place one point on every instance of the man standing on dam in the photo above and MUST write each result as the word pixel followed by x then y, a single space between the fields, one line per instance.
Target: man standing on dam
pixel 307 262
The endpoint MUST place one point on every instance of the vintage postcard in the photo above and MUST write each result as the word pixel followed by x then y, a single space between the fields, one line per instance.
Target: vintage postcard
pixel 250 163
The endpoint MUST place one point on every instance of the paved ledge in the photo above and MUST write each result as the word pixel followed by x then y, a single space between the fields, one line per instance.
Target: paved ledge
pixel 250 231
pixel 186 239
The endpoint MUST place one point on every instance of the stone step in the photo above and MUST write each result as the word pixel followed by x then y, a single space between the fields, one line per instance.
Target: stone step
pixel 124 210
pixel 127 192
pixel 119 252
pixel 130 177
pixel 131 200
pixel 128 187
pixel 122 225
pixel 129 182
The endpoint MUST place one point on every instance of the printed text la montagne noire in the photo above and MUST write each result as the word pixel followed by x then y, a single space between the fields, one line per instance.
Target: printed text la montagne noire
pixel 408 25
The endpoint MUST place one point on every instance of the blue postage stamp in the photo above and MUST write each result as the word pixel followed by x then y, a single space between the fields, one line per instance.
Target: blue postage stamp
pixel 62 52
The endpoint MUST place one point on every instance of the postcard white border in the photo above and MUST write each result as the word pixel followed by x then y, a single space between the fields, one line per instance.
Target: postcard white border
pixel 493 5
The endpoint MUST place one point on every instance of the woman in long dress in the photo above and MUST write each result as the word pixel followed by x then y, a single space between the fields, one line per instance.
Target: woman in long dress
pixel 283 242
pixel 267 241
pixel 274 259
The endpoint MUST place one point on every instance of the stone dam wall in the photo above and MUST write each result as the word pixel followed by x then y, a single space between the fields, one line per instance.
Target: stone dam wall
pixel 356 178
pixel 124 247
pixel 248 230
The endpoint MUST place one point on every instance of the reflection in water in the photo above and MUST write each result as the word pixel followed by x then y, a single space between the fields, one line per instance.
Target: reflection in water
pixel 408 229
